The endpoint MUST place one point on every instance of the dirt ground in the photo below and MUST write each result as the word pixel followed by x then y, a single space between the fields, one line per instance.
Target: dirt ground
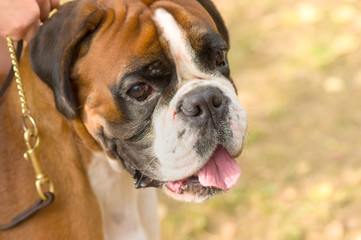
pixel 297 68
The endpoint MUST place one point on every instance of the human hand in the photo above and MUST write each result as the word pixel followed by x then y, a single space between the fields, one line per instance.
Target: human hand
pixel 20 19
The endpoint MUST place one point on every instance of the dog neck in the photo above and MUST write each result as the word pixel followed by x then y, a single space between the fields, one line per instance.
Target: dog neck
pixel 126 212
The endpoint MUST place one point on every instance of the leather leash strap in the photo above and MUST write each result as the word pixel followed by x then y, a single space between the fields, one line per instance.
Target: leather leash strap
pixel 37 206
pixel 32 140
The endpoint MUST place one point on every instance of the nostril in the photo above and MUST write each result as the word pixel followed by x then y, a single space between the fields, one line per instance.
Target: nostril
pixel 191 110
pixel 217 101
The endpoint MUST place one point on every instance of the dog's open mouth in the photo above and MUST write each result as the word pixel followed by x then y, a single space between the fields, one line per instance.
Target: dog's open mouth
pixel 221 172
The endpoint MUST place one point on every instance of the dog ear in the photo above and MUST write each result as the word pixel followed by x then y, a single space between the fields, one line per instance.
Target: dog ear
pixel 217 18
pixel 55 47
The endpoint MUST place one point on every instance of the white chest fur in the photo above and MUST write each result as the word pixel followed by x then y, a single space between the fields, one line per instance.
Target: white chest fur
pixel 127 213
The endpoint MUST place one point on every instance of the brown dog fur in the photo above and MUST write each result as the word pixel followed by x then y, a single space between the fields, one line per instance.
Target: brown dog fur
pixel 63 220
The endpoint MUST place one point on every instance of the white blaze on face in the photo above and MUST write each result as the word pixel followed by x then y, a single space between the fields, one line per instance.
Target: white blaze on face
pixel 181 50
pixel 175 139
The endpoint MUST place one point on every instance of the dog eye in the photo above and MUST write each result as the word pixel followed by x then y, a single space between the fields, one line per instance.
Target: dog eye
pixel 220 58
pixel 140 92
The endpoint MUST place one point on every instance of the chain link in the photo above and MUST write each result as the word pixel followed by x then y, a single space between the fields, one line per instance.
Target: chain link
pixel 24 106
pixel 31 136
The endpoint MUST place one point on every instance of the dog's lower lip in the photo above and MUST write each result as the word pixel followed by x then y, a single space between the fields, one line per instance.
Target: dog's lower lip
pixel 220 172
pixel 188 185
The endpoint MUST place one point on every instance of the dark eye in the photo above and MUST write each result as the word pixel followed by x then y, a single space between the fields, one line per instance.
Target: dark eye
pixel 140 92
pixel 220 58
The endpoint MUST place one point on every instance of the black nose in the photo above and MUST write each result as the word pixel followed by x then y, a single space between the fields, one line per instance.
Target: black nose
pixel 203 106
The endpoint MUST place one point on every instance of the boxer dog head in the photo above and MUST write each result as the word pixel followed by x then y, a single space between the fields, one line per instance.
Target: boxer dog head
pixel 151 84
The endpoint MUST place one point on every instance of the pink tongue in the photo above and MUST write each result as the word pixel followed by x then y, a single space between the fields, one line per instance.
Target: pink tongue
pixel 221 171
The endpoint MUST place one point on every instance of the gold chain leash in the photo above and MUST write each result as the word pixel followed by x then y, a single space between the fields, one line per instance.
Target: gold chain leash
pixel 31 134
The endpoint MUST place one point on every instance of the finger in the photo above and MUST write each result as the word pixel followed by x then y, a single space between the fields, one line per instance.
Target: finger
pixel 16 33
pixel 44 6
pixel 54 4
pixel 19 18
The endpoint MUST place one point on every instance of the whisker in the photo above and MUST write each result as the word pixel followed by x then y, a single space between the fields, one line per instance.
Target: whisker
pixel 145 170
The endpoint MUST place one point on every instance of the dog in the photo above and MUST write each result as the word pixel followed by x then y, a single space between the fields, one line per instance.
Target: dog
pixel 123 92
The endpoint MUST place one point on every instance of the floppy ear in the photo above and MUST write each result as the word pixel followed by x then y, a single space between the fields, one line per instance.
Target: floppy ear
pixel 55 47
pixel 217 18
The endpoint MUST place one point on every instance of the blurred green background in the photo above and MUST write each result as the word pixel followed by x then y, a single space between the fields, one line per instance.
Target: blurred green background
pixel 297 66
